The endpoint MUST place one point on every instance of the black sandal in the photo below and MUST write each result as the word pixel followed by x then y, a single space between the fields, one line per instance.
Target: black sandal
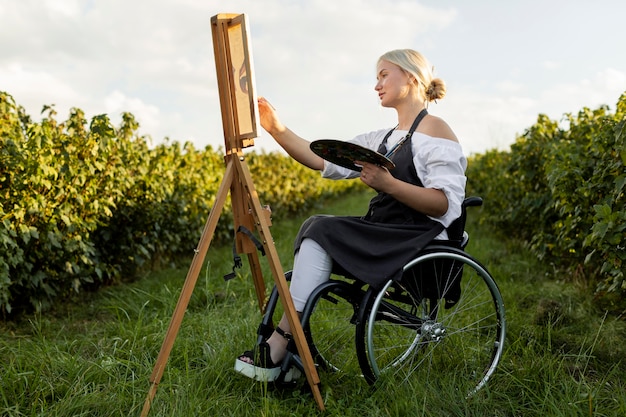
pixel 266 370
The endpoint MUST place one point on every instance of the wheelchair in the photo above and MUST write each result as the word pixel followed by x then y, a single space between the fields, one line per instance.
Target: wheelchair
pixel 445 315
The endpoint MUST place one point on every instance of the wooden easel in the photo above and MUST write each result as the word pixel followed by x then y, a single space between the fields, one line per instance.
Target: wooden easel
pixel 239 118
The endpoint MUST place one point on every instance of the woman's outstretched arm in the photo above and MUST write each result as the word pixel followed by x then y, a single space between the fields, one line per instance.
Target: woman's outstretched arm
pixel 297 147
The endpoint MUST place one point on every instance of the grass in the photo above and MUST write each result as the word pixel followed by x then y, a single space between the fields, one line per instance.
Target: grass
pixel 93 357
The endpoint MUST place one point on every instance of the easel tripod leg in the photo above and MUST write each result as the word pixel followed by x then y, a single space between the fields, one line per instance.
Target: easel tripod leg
pixel 281 282
pixel 188 287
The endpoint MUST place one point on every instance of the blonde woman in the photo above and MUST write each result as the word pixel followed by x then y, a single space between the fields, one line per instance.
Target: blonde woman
pixel 416 200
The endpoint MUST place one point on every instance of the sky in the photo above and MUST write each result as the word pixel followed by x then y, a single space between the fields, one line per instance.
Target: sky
pixel 504 62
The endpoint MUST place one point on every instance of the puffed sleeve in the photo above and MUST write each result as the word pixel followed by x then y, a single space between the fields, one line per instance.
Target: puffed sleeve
pixel 440 164
pixel 335 172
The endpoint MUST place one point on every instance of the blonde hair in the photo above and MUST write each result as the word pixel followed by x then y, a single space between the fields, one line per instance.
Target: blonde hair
pixel 415 64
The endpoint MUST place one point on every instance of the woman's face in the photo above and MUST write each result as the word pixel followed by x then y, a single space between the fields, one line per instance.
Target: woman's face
pixel 394 84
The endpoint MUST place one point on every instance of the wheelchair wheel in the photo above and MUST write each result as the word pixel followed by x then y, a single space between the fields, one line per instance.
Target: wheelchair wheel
pixel 328 322
pixel 443 320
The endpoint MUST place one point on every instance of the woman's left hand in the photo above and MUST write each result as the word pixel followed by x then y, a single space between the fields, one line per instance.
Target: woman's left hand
pixel 374 176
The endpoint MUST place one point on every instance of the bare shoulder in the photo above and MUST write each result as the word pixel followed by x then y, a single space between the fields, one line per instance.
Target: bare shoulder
pixel 437 127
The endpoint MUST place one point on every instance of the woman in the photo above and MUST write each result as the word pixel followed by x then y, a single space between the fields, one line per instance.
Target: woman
pixel 416 200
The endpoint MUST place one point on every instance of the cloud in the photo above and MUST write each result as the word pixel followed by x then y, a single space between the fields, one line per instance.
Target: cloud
pixel 552 65
pixel 117 103
pixel 509 87
pixel 603 88
pixel 500 118
pixel 69 8
pixel 33 89
pixel 314 60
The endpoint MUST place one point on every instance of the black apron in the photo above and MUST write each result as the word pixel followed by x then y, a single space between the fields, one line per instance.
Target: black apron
pixel 374 248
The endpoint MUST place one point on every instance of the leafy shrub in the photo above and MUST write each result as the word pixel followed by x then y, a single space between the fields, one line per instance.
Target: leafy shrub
pixel 85 207
pixel 562 191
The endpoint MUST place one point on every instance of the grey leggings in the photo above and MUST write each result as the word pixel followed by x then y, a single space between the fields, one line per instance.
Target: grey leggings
pixel 311 267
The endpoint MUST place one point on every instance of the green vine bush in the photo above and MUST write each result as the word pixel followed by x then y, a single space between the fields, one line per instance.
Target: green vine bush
pixel 82 206
pixel 86 205
pixel 561 190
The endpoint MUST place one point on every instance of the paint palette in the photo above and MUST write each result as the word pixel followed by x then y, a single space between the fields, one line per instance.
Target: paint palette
pixel 345 154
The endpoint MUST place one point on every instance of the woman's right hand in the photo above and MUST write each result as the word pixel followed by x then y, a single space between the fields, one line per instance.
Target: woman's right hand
pixel 297 147
pixel 269 118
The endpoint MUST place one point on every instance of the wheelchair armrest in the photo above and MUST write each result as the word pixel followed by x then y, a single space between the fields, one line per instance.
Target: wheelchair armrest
pixel 473 202
pixel 456 229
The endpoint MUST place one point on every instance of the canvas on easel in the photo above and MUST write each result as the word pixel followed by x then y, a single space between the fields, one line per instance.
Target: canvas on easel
pixel 233 62
pixel 235 77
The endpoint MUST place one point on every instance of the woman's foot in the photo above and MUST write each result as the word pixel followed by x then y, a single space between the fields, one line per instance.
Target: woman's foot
pixel 264 364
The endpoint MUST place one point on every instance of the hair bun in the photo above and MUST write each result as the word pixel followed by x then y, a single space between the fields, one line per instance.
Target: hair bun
pixel 436 90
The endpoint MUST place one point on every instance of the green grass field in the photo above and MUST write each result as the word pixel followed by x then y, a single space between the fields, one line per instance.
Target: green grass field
pixel 93 357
